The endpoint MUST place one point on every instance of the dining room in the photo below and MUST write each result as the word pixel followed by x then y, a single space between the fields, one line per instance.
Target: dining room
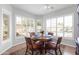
pixel 39 29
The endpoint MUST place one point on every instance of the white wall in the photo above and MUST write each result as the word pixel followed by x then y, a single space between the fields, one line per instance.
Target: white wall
pixel 77 17
pixel 63 12
pixel 4 45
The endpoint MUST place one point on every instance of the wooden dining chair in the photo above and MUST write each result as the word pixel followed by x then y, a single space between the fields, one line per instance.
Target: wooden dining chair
pixel 32 34
pixel 50 33
pixel 31 46
pixel 54 46
pixel 77 49
pixel 77 46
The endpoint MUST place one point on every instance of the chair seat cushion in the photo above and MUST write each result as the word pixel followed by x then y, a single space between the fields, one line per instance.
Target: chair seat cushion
pixel 51 45
pixel 35 46
pixel 39 43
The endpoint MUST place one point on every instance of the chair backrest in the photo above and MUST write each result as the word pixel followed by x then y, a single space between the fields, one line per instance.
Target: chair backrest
pixel 77 42
pixel 59 40
pixel 29 42
pixel 32 34
pixel 50 33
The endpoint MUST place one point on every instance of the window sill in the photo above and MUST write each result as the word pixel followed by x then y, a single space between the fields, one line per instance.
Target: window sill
pixel 19 37
pixel 5 41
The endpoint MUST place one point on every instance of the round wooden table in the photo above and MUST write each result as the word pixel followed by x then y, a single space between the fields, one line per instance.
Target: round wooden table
pixel 43 42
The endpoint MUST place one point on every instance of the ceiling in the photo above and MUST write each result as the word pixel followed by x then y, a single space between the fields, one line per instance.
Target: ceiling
pixel 39 9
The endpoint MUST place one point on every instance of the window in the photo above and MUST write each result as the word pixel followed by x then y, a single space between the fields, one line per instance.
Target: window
pixel 38 25
pixel 53 25
pixel 20 26
pixel 6 24
pixel 60 26
pixel 24 25
pixel 48 25
pixel 68 26
pixel 30 25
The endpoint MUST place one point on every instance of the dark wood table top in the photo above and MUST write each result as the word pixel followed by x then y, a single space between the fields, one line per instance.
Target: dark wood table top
pixel 41 39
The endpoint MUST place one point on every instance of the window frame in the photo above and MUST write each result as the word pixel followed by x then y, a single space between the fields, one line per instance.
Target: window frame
pixel 71 14
pixel 5 11
pixel 27 27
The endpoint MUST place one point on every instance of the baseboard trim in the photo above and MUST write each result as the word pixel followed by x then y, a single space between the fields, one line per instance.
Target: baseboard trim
pixel 10 47
pixel 69 45
pixel 5 50
pixel 18 44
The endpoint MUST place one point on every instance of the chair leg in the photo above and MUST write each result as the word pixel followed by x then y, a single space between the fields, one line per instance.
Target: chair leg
pixel 32 52
pixel 50 52
pixel 45 51
pixel 26 50
pixel 56 52
pixel 60 51
pixel 40 52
